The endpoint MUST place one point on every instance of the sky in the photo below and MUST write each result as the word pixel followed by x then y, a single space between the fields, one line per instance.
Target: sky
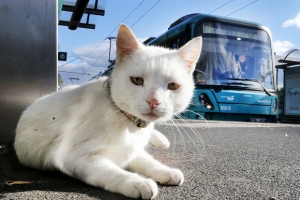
pixel 88 49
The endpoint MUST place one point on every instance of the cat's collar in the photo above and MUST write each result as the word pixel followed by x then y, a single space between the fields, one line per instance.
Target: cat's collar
pixel 139 123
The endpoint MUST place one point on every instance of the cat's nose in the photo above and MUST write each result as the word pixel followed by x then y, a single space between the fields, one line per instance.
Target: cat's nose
pixel 153 103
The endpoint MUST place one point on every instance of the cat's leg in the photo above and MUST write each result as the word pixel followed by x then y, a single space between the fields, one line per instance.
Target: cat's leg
pixel 101 172
pixel 158 140
pixel 146 165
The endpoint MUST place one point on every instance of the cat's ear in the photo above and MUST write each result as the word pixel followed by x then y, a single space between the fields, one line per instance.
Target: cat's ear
pixel 126 42
pixel 190 53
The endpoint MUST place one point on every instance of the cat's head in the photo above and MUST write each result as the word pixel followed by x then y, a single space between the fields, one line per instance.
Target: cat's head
pixel 153 83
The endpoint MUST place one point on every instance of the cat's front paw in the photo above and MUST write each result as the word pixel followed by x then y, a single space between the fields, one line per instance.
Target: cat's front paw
pixel 168 176
pixel 139 187
pixel 158 140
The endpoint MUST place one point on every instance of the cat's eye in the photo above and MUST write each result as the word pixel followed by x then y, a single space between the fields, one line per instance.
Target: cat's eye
pixel 173 86
pixel 137 80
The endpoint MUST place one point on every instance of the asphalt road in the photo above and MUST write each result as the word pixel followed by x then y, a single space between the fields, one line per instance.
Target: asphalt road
pixel 220 160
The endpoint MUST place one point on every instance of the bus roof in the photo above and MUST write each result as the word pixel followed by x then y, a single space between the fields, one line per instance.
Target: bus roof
pixel 181 24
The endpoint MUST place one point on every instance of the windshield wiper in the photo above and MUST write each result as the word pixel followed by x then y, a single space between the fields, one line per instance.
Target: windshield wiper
pixel 228 84
pixel 252 80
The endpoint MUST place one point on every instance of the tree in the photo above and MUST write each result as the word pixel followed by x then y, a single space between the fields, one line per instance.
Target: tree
pixel 60 81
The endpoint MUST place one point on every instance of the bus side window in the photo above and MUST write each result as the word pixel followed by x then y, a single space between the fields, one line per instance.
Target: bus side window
pixel 175 45
pixel 179 42
pixel 170 44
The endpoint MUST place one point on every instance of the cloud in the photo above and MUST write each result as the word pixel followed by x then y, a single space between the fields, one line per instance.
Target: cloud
pixel 280 47
pixel 91 59
pixel 97 54
pixel 292 22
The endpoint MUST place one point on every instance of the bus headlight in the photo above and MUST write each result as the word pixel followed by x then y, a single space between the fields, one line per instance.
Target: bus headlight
pixel 205 101
pixel 275 105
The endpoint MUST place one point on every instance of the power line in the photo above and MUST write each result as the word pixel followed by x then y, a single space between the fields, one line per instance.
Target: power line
pixel 116 27
pixel 70 62
pixel 73 67
pixel 220 7
pixel 130 26
pixel 242 7
pixel 94 62
pixel 74 72
pixel 146 13
pixel 127 17
pixel 106 37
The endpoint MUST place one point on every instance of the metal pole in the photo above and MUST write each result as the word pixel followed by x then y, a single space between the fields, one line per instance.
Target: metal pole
pixel 78 13
pixel 110 38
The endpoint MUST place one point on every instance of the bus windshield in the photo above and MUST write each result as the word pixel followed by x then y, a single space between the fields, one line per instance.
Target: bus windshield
pixel 233 53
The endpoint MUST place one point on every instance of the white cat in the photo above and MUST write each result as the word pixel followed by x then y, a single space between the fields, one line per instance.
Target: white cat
pixel 97 132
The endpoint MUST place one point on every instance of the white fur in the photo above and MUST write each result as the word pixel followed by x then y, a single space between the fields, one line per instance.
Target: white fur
pixel 81 132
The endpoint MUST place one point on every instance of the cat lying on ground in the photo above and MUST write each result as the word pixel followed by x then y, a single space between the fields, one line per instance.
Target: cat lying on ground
pixel 97 132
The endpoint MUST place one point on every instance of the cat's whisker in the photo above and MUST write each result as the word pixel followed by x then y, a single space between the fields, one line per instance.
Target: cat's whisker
pixel 174 143
pixel 120 118
pixel 111 114
pixel 171 130
pixel 184 131
pixel 195 132
pixel 195 103
pixel 182 119
pixel 171 134
pixel 180 134
pixel 134 58
pixel 203 118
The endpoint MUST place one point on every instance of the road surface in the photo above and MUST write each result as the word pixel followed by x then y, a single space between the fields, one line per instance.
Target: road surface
pixel 220 160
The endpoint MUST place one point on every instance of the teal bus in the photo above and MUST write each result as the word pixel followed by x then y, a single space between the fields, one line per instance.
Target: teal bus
pixel 235 77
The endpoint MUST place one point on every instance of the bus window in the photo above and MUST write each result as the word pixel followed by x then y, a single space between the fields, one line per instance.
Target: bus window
pixel 179 42
pixel 233 52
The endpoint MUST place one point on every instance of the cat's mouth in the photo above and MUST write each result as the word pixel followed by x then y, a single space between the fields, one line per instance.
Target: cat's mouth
pixel 151 116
